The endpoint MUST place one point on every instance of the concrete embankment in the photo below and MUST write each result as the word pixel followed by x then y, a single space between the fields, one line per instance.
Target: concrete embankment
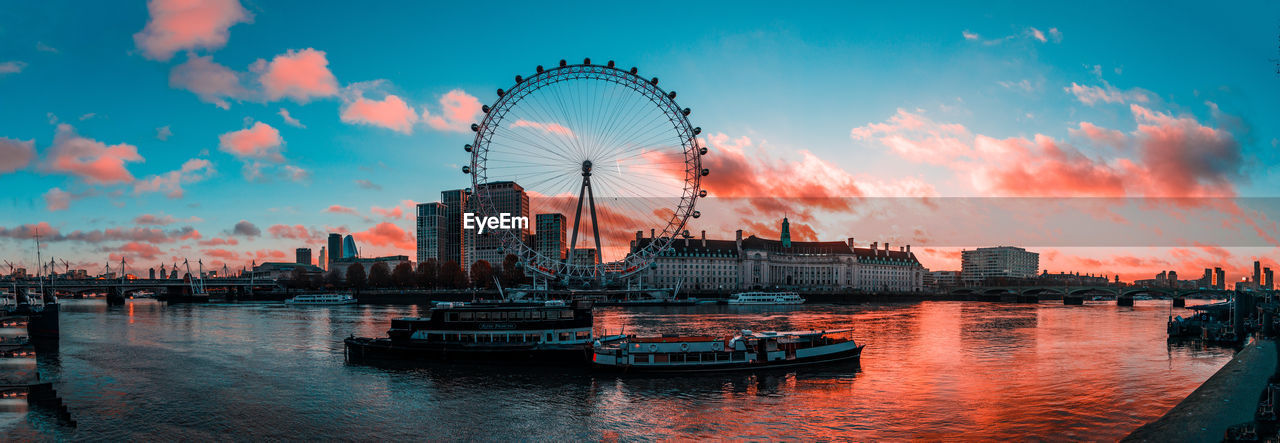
pixel 1228 398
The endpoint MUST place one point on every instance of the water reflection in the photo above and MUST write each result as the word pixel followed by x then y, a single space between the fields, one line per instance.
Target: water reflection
pixel 931 370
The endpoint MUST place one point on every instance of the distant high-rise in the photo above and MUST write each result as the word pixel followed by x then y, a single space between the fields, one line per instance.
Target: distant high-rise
pixel 324 259
pixel 550 234
pixel 1206 281
pixel 454 241
pixel 1268 279
pixel 153 273
pixel 1257 274
pixel 431 231
pixel 508 197
pixel 1173 279
pixel 349 248
pixel 335 248
pixel 1220 278
pixel 302 256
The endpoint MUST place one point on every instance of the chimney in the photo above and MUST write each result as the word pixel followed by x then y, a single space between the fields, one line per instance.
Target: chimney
pixel 738 242
pixel 850 242
pixel 874 248
pixel 908 249
pixel 686 242
pixel 651 234
pixel 704 238
pixel 886 248
pixel 639 235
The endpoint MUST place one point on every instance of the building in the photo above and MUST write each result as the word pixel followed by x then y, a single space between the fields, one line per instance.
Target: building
pixel 431 232
pixel 1268 279
pixel 945 279
pixel 153 274
pixel 700 264
pixel 1220 280
pixel 392 261
pixel 276 271
pixel 550 239
pixel 335 248
pixel 1073 279
pixel 324 259
pixel 302 256
pixel 1257 274
pixel 981 264
pixel 349 250
pixel 1206 281
pixel 454 241
pixel 506 197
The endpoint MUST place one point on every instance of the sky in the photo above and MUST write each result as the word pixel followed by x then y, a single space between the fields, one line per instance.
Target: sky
pixel 236 131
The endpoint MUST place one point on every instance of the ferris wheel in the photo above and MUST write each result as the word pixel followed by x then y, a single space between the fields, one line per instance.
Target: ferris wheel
pixel 605 148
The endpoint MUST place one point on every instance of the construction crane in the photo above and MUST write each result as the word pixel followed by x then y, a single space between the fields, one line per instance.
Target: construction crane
pixel 66 265
pixel 10 265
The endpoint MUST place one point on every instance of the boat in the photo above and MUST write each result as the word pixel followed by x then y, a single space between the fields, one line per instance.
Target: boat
pixel 766 298
pixel 552 331
pixel 746 351
pixel 322 299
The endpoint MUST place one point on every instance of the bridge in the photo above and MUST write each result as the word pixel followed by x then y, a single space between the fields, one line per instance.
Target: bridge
pixel 1075 294
pixel 119 289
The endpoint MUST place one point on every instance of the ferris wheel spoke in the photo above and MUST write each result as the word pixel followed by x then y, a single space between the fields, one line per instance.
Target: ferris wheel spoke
pixel 546 146
pixel 630 120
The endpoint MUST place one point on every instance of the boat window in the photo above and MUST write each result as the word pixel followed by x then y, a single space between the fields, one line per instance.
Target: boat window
pixel 531 337
pixel 453 316
pixel 583 335
pixel 565 336
pixel 642 358
pixel 661 358
pixel 464 316
pixel 740 356
pixel 566 314
pixel 467 338
pixel 677 358
pixel 482 316
pixel 482 338
pixel 550 337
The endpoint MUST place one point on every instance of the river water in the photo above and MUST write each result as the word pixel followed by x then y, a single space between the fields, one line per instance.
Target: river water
pixel 931 370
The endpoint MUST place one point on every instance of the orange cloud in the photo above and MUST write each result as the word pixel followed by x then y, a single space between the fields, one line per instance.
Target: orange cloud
pixel 260 141
pixel 89 159
pixel 391 113
pixel 299 75
pixel 387 234
pixel 458 111
pixel 176 25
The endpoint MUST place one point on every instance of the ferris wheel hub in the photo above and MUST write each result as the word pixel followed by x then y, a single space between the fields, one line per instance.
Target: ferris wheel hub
pixel 586 167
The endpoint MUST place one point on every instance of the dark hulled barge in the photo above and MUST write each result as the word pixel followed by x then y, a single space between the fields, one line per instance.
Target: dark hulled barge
pixel 509 332
pixel 746 351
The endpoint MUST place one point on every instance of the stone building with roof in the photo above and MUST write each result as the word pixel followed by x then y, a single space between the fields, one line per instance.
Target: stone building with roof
pixel 699 264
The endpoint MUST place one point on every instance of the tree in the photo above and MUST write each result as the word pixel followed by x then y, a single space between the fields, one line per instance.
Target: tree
pixel 298 278
pixel 356 276
pixel 380 275
pixel 428 271
pixel 317 281
pixel 332 278
pixel 402 275
pixel 451 275
pixel 512 275
pixel 481 274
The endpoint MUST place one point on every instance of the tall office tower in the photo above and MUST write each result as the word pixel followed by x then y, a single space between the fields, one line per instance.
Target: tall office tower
pixel 302 256
pixel 431 231
pixel 1220 280
pixel 1001 261
pixel 1173 279
pixel 335 248
pixel 506 197
pixel 324 259
pixel 1257 274
pixel 550 234
pixel 454 241
pixel 1268 279
pixel 1206 281
pixel 349 248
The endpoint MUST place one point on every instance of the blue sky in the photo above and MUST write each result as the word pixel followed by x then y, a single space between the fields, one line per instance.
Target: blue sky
pixel 790 79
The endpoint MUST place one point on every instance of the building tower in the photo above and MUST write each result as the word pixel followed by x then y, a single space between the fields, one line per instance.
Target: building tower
pixel 1257 274
pixel 324 259
pixel 302 256
pixel 1220 280
pixel 335 248
pixel 349 248
pixel 431 231
pixel 786 233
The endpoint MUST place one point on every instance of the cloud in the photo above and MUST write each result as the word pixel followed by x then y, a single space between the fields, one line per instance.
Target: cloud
pixel 969 35
pixel 917 138
pixel 15 154
pixel 296 174
pixel 458 112
pixel 288 119
pixel 42 47
pixel 550 128
pixel 299 75
pixel 219 241
pixel 133 250
pixel 89 159
pixel 1036 34
pixel 295 232
pixel 1101 136
pixel 1055 35
pixel 259 142
pixel 12 67
pixel 1091 95
pixel 339 209
pixel 387 234
pixel 163 133
pixel 171 182
pixel 149 235
pixel 57 199
pixel 365 184
pixel 245 229
pixel 177 25
pixel 391 113
pixel 160 220
pixel 210 81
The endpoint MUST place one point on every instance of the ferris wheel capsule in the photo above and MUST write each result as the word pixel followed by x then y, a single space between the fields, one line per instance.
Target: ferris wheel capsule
pixel 563 63
pixel 671 95
pixel 540 69
pixel 696 214
pixel 634 70
pixel 702 193
pixel 654 81
pixel 466 169
pixel 702 151
pixel 697 130
pixel 501 92
pixel 706 172
pixel 466 147
pixel 586 61
pixel 686 112
pixel 475 127
pixel 519 79
pixel 485 108
pixel 610 63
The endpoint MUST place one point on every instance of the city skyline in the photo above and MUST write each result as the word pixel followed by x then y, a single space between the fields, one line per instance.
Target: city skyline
pixel 262 128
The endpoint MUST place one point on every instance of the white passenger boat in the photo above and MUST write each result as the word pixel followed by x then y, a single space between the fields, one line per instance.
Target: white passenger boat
pixel 748 350
pixel 766 298
pixel 322 299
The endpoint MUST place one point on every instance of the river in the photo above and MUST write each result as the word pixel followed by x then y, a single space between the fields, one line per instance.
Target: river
pixel 977 370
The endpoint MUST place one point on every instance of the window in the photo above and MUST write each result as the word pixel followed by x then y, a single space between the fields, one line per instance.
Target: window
pixel 465 316
pixel 453 316
pixel 566 314
pixel 583 335
pixel 482 316
pixel 565 336
pixel 642 358
pixel 550 337
pixel 661 358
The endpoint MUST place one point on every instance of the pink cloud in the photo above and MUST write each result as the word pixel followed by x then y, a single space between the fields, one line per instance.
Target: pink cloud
pixel 387 234
pixel 176 25
pixel 15 154
pixel 133 251
pixel 1102 136
pixel 57 199
pixel 295 232
pixel 210 81
pixel 458 111
pixel 1091 95
pixel 171 182
pixel 391 113
pixel 551 128
pixel 219 241
pixel 299 75
pixel 338 209
pixel 288 119
pixel 89 159
pixel 260 141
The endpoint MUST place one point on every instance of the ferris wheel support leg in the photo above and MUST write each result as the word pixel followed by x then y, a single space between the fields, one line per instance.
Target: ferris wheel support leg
pixel 595 226
pixel 577 218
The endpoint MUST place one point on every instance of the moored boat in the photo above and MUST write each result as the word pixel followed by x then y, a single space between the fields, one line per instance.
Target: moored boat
pixel 322 299
pixel 746 351
pixel 766 298
pixel 508 332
